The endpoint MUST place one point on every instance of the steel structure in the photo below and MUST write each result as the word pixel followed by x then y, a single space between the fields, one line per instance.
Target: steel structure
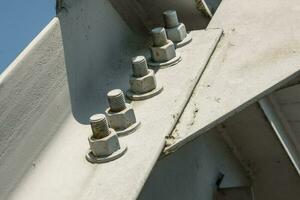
pixel 224 124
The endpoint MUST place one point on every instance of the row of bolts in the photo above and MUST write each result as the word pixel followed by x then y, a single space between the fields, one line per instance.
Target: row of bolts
pixel 120 118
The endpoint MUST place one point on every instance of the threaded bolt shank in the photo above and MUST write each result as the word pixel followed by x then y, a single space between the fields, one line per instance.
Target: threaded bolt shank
pixel 139 66
pixel 116 100
pixel 99 126
pixel 170 18
pixel 159 36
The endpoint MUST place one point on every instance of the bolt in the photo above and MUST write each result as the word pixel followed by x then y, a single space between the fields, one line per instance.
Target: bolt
pixel 176 32
pixel 170 18
pixel 104 143
pixel 139 66
pixel 116 100
pixel 99 126
pixel 159 36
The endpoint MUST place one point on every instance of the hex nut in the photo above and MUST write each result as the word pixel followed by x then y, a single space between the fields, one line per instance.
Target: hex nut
pixel 142 82
pixel 105 146
pixel 139 97
pixel 177 34
pixel 163 53
pixel 121 120
pixel 176 31
pixel 141 85
pixel 105 149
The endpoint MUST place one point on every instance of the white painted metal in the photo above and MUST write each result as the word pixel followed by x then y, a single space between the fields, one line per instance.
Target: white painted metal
pixel 194 170
pixel 34 103
pixel 282 129
pixel 143 84
pixel 110 181
pixel 262 155
pixel 288 101
pixel 143 15
pixel 255 56
pixel 97 59
pixel 48 94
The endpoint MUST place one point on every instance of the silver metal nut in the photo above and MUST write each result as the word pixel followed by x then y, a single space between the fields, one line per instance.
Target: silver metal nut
pixel 141 85
pixel 177 34
pixel 163 53
pixel 105 146
pixel 122 119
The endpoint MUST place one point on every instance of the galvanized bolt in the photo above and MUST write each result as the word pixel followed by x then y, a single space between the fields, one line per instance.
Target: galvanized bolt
pixel 104 143
pixel 163 52
pixel 120 115
pixel 139 66
pixel 176 32
pixel 99 126
pixel 170 18
pixel 116 100
pixel 159 36
pixel 142 82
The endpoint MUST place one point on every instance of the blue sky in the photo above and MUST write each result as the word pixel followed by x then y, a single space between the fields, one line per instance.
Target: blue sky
pixel 20 22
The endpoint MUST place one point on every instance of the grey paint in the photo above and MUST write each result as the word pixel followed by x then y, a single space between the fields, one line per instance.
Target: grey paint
pixel 34 102
pixel 98 49
pixel 240 193
pixel 109 181
pixel 273 175
pixel 192 172
pixel 35 90
pixel 288 101
pixel 256 56
pixel 143 15
pixel 97 59
pixel 282 129
pixel 212 5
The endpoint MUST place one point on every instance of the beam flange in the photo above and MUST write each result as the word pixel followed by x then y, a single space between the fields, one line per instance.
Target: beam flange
pixel 282 129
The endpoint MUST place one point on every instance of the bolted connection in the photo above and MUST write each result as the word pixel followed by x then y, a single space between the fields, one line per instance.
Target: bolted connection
pixel 159 36
pixel 99 126
pixel 104 143
pixel 116 100
pixel 176 32
pixel 170 18
pixel 142 82
pixel 139 66
pixel 120 115
pixel 163 50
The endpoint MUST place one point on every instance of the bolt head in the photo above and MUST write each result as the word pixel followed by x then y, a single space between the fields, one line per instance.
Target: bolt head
pixel 143 84
pixel 163 53
pixel 121 120
pixel 105 146
pixel 177 34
